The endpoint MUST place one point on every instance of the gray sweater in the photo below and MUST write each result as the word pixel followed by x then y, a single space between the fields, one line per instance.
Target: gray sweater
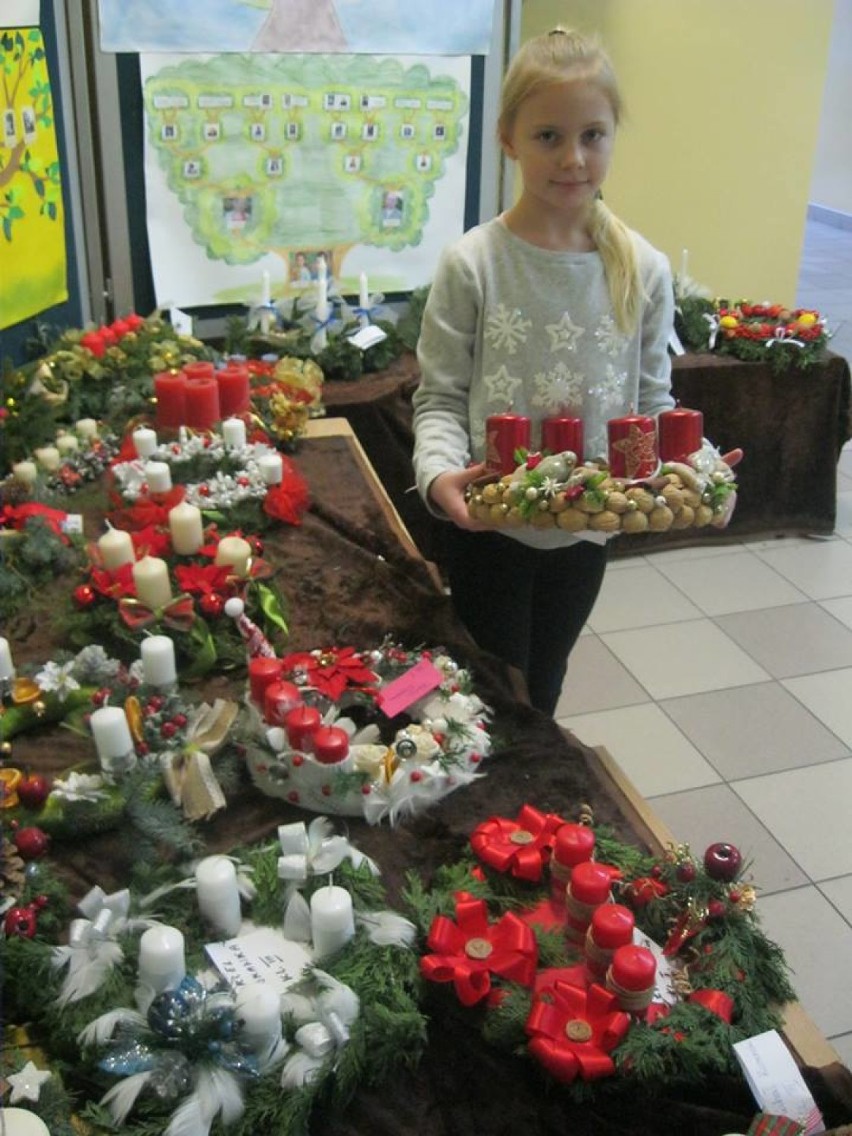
pixel 509 326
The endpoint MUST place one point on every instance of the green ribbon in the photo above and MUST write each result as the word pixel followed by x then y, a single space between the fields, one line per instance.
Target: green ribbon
pixel 272 607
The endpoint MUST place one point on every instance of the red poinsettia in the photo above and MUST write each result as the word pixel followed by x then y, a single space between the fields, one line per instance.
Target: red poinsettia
pixel 288 500
pixel 332 670
pixel 151 541
pixel 203 579
pixel 113 583
pixel 16 516
pixel 149 510
pixel 573 1031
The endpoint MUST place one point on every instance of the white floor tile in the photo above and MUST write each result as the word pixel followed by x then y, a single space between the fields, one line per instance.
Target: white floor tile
pixel 596 680
pixel 829 697
pixel 639 597
pixel 736 582
pixel 843 514
pixel 839 892
pixel 840 608
pixel 820 569
pixel 683 658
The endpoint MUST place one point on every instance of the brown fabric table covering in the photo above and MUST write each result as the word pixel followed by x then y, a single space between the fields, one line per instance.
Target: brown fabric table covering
pixel 348 580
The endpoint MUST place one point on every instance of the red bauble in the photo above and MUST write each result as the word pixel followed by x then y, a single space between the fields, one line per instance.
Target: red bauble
pixel 31 842
pixel 33 790
pixel 722 861
pixel 211 603
pixel 686 872
pixel 84 596
pixel 21 922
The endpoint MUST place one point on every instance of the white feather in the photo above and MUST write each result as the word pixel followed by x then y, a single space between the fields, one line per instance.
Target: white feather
pixel 297 919
pixel 300 1070
pixel 101 1029
pixel 187 1120
pixel 387 929
pixel 87 974
pixel 122 1097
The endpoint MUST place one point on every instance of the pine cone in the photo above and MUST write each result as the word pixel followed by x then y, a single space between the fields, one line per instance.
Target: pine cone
pixel 12 869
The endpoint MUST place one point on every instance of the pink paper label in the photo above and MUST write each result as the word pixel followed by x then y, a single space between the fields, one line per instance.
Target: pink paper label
pixel 403 691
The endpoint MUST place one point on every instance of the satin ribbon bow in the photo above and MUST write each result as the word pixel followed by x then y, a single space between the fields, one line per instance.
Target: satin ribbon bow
pixel 521 847
pixel 179 613
pixel 573 1031
pixel 326 1019
pixel 470 950
pixel 188 774
pixel 716 1001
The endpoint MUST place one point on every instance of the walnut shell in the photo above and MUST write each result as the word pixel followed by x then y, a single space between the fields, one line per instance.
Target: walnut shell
pixel 641 498
pixel 673 497
pixel 491 494
pixel 617 502
pixel 703 516
pixel 543 520
pixel 660 519
pixel 691 498
pixel 634 521
pixel 607 521
pixel 589 503
pixel 571 520
pixel 684 518
pixel 558 503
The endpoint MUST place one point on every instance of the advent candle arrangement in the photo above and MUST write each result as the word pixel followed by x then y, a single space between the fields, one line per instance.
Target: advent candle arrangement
pixel 86 427
pixel 258 1009
pixel 561 434
pixel 331 746
pixel 504 434
pixel 158 661
pixel 332 920
pixel 145 441
pixel 158 475
pixel 218 894
pixel 680 432
pixel 67 444
pixel 271 468
pixel 632 446
pixel 48 457
pixel 7 669
pixel 26 472
pixel 202 401
pixel 573 844
pixel 233 552
pixel 234 433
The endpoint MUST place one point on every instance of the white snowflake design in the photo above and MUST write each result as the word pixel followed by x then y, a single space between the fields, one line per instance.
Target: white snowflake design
pixel 609 389
pixel 610 340
pixel 506 328
pixel 501 386
pixel 559 389
pixel 564 334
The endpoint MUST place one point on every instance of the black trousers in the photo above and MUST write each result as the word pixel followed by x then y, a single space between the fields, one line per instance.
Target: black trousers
pixel 525 605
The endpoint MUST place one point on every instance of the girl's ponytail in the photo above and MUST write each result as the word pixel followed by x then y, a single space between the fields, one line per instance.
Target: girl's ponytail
pixel 615 244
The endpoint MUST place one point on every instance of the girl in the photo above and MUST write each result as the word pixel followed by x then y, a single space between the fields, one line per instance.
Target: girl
pixel 554 307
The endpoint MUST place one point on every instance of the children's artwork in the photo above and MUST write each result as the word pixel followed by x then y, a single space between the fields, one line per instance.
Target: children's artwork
pixel 21 13
pixel 265 164
pixel 32 230
pixel 444 27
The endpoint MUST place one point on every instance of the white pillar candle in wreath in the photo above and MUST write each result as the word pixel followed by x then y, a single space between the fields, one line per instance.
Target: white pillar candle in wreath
pixel 22 1122
pixel 234 433
pixel 186 528
pixel 258 1010
pixel 151 577
pixel 233 552
pixel 271 468
pixel 7 669
pixel 332 920
pixel 158 660
pixel 113 740
pixel 86 427
pixel 218 894
pixel 116 548
pixel 67 444
pixel 159 476
pixel 25 472
pixel 162 961
pixel 145 441
pixel 48 457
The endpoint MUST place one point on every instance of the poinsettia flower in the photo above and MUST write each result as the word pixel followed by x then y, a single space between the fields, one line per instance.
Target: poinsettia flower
pixel 16 516
pixel 151 541
pixel 58 678
pixel 203 579
pixel 148 510
pixel 113 583
pixel 332 670
pixel 128 451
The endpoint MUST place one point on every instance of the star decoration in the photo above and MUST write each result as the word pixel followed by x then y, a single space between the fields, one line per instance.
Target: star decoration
pixel 26 1084
pixel 638 450
pixel 501 386
pixel 563 334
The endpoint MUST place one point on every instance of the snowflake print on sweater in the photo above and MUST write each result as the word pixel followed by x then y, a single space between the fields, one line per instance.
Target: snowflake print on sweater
pixel 558 389
pixel 609 388
pixel 610 340
pixel 506 328
pixel 565 334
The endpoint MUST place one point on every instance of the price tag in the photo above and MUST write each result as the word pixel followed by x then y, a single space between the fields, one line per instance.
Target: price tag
pixel 420 680
pixel 774 1078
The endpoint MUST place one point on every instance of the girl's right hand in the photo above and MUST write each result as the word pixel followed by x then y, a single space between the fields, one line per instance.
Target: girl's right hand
pixel 447 494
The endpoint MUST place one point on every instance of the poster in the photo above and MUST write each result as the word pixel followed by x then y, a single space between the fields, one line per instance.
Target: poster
pixel 32 228
pixel 375 27
pixel 20 13
pixel 267 164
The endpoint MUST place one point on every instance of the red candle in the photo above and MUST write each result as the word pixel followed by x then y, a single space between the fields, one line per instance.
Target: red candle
pixel 170 389
pixel 301 723
pixel 680 432
pixel 233 383
pixel 331 745
pixel 561 434
pixel 202 403
pixel 95 343
pixel 611 927
pixel 573 844
pixel 631 977
pixel 590 883
pixel 199 369
pixel 262 672
pixel 632 446
pixel 504 434
pixel 278 699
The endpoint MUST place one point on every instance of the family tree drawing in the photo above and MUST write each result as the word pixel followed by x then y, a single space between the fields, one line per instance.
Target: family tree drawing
pixel 301 155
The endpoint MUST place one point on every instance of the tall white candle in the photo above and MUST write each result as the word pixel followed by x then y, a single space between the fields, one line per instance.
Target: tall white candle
pixel 151 577
pixel 158 660
pixel 271 467
pixel 322 300
pixel 25 471
pixel 48 457
pixel 234 433
pixel 67 444
pixel 162 962
pixel 116 548
pixel 363 299
pixel 86 427
pixel 113 740
pixel 145 441
pixel 234 552
pixel 186 528
pixel 332 920
pixel 258 1010
pixel 218 894
pixel 159 476
pixel 7 669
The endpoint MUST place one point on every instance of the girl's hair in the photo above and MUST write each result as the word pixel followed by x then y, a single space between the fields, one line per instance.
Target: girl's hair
pixel 563 56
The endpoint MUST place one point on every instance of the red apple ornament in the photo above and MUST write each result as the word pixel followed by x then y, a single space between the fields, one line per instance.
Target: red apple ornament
pixel 33 791
pixel 22 922
pixel 31 842
pixel 722 861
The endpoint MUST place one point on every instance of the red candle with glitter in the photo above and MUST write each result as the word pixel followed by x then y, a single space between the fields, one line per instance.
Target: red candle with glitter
pixel 573 844
pixel 202 403
pixel 233 382
pixel 504 434
pixel 632 446
pixel 170 389
pixel 262 672
pixel 559 435
pixel 279 699
pixel 680 433
pixel 631 977
pixel 611 927
pixel 199 369
pixel 331 745
pixel 301 723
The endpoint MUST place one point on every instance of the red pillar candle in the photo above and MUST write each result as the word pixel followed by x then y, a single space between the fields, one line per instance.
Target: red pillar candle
pixel 632 446
pixel 680 433
pixel 611 927
pixel 170 390
pixel 631 977
pixel 561 434
pixel 262 672
pixel 301 723
pixel 202 403
pixel 505 433
pixel 573 844
pixel 233 382
pixel 331 745
pixel 279 698
pixel 199 369
pixel 588 888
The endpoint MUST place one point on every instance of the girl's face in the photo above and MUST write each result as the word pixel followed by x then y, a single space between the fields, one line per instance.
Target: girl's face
pixel 562 139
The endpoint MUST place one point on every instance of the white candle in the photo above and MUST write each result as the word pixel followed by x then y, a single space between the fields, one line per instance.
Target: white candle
pixel 67 444
pixel 234 433
pixel 162 963
pixel 159 476
pixel 158 660
pixel 186 528
pixel 258 1010
pixel 116 548
pixel 234 552
pixel 25 471
pixel 86 427
pixel 218 894
pixel 7 669
pixel 151 577
pixel 271 467
pixel 322 300
pixel 145 441
pixel 48 457
pixel 332 920
pixel 22 1122
pixel 363 299
pixel 113 739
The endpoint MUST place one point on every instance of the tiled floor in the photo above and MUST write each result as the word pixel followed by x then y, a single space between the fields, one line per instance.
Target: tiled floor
pixel 720 680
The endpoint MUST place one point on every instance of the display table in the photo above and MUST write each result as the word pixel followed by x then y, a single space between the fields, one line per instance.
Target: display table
pixel 352 576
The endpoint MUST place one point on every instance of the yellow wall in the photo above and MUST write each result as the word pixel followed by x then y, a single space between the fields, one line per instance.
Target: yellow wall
pixel 723 107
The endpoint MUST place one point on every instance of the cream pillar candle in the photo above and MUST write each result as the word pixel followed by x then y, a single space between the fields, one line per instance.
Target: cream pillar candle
pixel 116 548
pixel 151 577
pixel 113 740
pixel 158 660
pixel 258 1010
pixel 332 920
pixel 67 444
pixel 25 471
pixel 22 1122
pixel 86 427
pixel 7 669
pixel 162 962
pixel 48 457
pixel 218 894
pixel 271 467
pixel 234 552
pixel 145 441
pixel 186 528
pixel 234 433
pixel 159 476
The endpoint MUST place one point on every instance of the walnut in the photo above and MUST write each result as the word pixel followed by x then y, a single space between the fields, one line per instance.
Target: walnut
pixel 642 499
pixel 660 519
pixel 607 521
pixel 571 520
pixel 634 521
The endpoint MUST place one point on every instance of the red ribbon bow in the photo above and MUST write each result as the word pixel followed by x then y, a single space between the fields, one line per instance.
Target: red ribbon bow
pixel 521 847
pixel 573 1031
pixel 178 614
pixel 470 950
pixel 716 1001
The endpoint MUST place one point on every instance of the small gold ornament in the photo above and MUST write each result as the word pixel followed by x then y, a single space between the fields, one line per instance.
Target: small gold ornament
pixel 39 708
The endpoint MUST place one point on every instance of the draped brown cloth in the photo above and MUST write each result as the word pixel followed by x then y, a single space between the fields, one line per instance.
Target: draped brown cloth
pixel 350 580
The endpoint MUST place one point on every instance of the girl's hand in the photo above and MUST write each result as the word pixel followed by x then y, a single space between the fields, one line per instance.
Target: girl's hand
pixel 447 493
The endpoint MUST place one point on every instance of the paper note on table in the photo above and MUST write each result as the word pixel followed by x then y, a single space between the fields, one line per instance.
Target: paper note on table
pixel 776 1082
pixel 417 682
pixel 264 955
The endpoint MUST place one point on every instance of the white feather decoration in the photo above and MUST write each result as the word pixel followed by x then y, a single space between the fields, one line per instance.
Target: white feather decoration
pixel 86 973
pixel 122 1097
pixel 300 1070
pixel 216 1091
pixel 387 929
pixel 101 1029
